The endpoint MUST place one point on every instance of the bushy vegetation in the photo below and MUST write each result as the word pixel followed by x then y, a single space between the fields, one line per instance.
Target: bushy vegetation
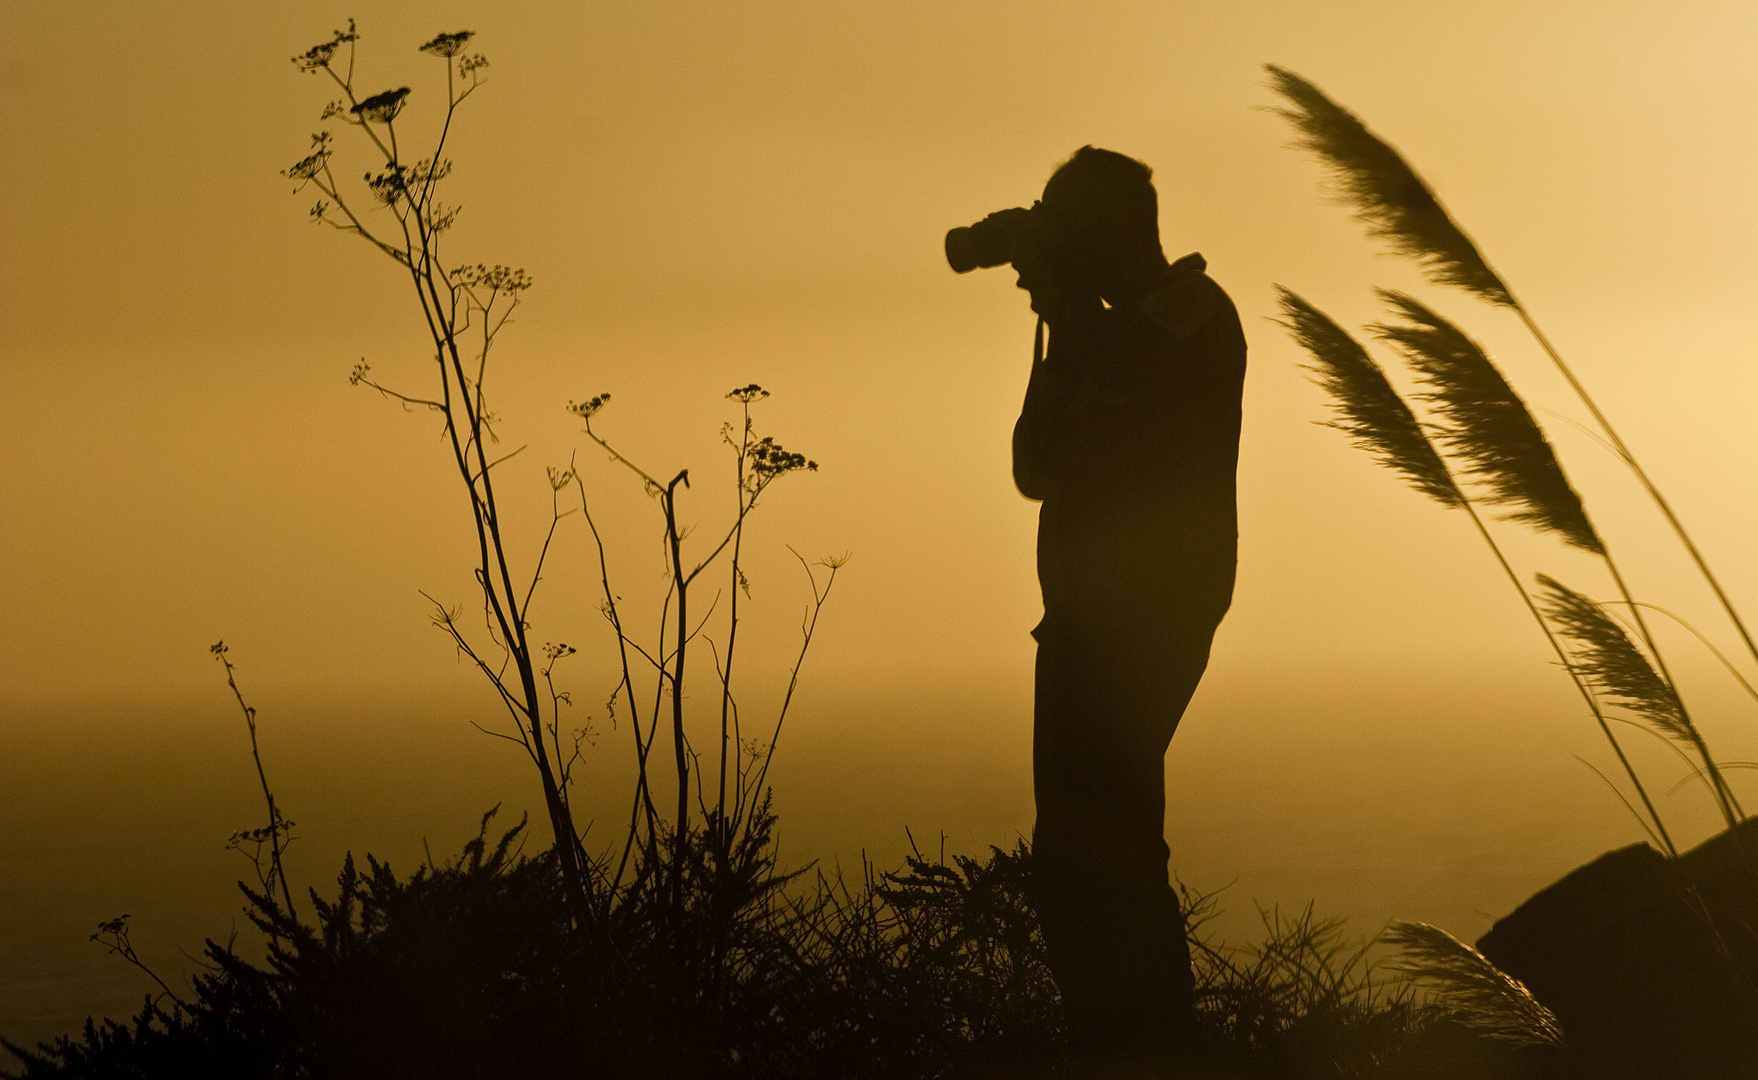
pixel 479 969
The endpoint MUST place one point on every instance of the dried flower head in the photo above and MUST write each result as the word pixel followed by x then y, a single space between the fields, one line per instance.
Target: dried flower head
pixel 307 167
pixel 1604 655
pixel 382 108
pixel 468 65
pixel 497 278
pixel 585 410
pixel 1487 425
pixel 747 394
pixel 390 185
pixel 263 835
pixel 769 460
pixel 427 171
pixel 1483 997
pixel 448 45
pixel 319 56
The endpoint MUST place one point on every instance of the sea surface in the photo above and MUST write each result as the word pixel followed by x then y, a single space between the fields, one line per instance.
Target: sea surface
pixel 1408 795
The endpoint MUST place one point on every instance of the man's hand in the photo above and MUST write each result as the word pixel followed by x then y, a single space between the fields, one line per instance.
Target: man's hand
pixel 1056 304
pixel 1037 278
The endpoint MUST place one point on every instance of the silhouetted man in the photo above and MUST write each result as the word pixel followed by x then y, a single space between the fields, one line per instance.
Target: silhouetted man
pixel 1130 437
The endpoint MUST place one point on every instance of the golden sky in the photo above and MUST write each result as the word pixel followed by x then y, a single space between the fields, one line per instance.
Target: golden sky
pixel 710 194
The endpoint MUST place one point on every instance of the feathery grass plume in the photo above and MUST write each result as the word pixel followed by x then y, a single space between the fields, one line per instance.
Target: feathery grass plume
pixel 1368 409
pixel 1488 425
pixel 1611 662
pixel 1386 192
pixel 1485 997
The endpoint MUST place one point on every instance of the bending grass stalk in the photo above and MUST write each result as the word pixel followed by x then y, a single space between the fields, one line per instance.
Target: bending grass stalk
pixel 1486 998
pixel 1388 196
pixel 1376 419
pixel 1612 664
pixel 1635 467
pixel 1489 427
pixel 1400 208
pixel 1659 831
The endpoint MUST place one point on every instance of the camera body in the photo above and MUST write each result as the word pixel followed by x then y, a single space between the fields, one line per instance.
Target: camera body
pixel 1000 238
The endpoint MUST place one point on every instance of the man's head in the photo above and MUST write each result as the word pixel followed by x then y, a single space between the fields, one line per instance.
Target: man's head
pixel 1104 219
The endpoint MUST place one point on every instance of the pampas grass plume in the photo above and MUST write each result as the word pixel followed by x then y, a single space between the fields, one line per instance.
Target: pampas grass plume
pixel 1485 997
pixel 1487 424
pixel 1387 194
pixel 1367 408
pixel 1611 663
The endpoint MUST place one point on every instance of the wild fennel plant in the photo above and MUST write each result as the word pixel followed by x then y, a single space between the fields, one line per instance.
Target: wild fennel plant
pixel 463 307
pixel 758 463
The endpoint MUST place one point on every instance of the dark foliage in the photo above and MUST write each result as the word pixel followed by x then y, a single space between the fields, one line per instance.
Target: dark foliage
pixel 479 969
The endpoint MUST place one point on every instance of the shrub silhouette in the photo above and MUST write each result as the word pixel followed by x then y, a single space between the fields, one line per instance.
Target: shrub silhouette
pixel 474 969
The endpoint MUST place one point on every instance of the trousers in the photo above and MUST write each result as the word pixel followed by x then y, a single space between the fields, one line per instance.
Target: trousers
pixel 1108 699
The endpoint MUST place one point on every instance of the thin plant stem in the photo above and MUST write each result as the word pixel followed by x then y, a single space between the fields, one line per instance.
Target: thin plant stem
pixel 279 871
pixel 1659 831
pixel 732 631
pixel 1629 459
pixel 1718 786
pixel 809 626
pixel 674 546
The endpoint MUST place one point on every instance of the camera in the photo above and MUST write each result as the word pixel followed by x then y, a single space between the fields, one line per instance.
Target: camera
pixel 1002 237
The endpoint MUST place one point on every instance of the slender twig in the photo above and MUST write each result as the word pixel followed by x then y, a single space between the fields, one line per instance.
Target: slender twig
pixel 674 545
pixel 808 627
pixel 276 824
pixel 112 934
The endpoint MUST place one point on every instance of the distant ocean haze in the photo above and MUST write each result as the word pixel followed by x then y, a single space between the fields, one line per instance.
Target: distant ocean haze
pixel 1391 791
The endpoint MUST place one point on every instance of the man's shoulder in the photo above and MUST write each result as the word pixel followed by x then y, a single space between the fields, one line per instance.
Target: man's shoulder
pixel 1186 299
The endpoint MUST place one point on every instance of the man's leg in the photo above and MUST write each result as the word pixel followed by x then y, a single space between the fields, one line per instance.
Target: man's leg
pixel 1105 712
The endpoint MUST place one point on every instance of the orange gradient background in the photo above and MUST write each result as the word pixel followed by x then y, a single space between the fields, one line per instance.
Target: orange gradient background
pixel 714 194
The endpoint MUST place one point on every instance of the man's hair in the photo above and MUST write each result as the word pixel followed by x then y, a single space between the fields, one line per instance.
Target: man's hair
pixel 1111 187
